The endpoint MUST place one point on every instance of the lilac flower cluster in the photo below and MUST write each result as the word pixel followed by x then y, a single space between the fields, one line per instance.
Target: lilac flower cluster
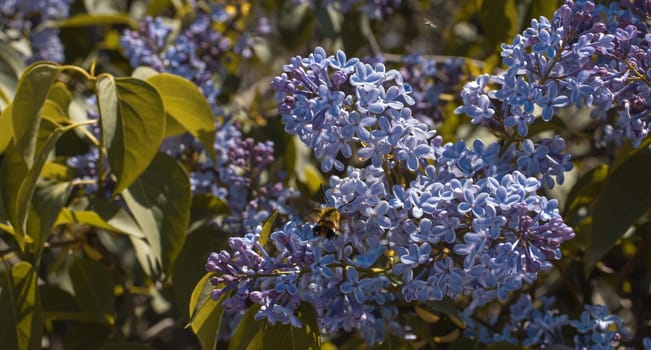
pixel 543 326
pixel 26 19
pixel 237 177
pixel 422 220
pixel 374 9
pixel 586 55
pixel 201 52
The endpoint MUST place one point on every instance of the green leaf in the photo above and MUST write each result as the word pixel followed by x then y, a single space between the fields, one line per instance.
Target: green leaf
pixel 160 201
pixel 155 7
pixel 6 130
pixel 280 336
pixel 499 20
pixel 86 20
pixel 266 228
pixel 542 8
pixel 393 343
pixel 11 65
pixel 47 202
pixel 133 125
pixel 104 215
pixel 187 268
pixel 449 308
pixel 188 107
pixel 93 285
pixel 21 322
pixel 206 314
pixel 246 330
pixel 585 190
pixel 12 172
pixel 624 197
pixel 205 207
pixel 124 345
pixel 33 88
pixel 48 137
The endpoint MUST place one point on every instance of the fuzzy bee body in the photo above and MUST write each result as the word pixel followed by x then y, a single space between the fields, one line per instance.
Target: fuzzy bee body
pixel 328 224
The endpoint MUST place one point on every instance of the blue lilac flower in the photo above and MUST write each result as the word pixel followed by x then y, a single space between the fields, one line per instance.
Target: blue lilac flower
pixel 22 20
pixel 468 224
pixel 587 55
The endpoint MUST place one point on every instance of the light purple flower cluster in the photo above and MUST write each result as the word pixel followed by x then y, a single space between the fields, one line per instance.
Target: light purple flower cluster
pixel 422 221
pixel 200 53
pixel 586 55
pixel 21 19
pixel 544 326
pixel 238 177
pixel 330 102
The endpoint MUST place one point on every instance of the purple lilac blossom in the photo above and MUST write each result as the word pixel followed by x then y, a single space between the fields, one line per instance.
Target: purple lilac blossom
pixel 587 55
pixel 470 226
pixel 26 19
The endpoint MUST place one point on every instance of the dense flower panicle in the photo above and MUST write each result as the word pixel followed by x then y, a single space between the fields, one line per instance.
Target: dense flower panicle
pixel 586 55
pixel 19 19
pixel 469 226
pixel 544 326
pixel 200 52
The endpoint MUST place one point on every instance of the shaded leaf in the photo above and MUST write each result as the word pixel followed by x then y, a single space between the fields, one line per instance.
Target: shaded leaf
pixel 624 197
pixel 205 207
pixel 124 345
pixel 187 269
pixel 33 88
pixel 188 107
pixel 160 202
pixel 93 285
pixel 133 125
pixel 12 172
pixel 585 190
pixel 47 202
pixel 449 308
pixel 499 20
pixel 246 330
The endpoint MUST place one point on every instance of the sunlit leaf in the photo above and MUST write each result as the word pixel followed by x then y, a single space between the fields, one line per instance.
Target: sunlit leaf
pixel 33 88
pixel 133 125
pixel 266 228
pixel 206 313
pixel 188 107
pixel 20 324
pixel 6 131
pixel 160 202
pixel 85 20
pixel 93 285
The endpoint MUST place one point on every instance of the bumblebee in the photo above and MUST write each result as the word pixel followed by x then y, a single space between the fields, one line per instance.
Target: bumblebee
pixel 328 224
